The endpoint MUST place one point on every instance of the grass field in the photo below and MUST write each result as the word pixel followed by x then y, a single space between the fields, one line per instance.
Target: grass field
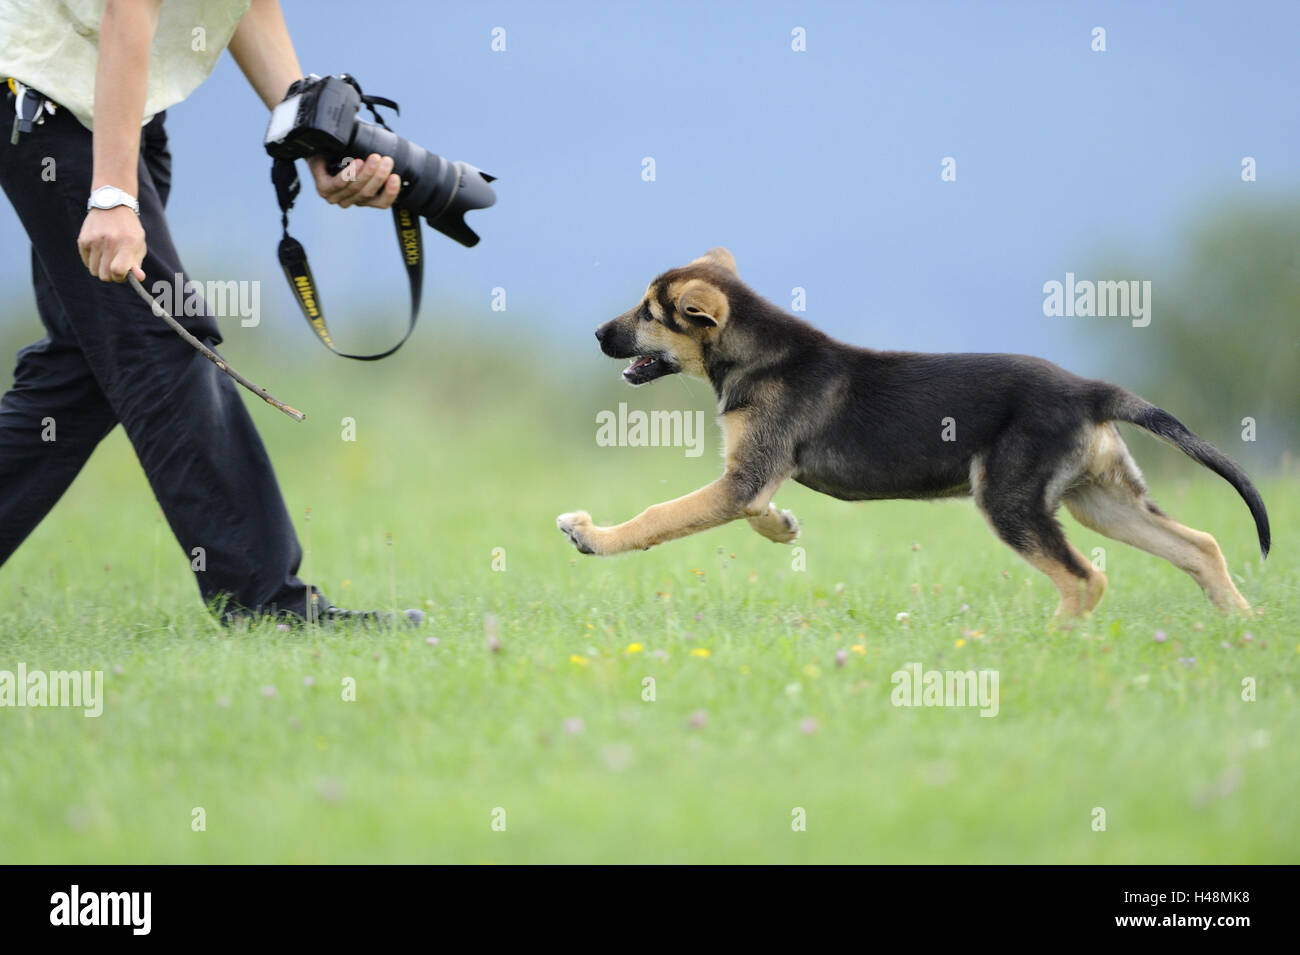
pixel 772 684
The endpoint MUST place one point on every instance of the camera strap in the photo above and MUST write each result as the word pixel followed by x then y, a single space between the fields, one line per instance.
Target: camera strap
pixel 293 259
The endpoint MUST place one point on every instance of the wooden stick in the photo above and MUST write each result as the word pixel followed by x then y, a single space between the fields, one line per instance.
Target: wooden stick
pixel 210 355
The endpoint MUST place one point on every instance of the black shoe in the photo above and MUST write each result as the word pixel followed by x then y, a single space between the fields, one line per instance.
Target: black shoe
pixel 329 617
pixel 333 616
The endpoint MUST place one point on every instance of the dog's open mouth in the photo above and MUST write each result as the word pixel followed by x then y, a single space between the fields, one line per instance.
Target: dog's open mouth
pixel 646 368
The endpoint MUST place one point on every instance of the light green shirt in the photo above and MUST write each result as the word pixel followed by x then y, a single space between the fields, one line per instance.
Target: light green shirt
pixel 53 46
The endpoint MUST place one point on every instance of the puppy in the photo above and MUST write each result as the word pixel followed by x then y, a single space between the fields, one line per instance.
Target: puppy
pixel 1018 434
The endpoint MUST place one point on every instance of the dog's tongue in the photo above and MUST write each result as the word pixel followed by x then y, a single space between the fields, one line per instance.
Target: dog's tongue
pixel 640 362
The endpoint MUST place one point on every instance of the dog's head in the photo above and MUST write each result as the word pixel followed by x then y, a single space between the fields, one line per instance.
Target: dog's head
pixel 678 319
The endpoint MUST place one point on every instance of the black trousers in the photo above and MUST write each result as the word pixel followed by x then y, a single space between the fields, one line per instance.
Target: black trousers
pixel 105 359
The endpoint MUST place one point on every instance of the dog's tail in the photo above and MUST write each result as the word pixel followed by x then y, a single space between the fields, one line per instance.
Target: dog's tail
pixel 1120 405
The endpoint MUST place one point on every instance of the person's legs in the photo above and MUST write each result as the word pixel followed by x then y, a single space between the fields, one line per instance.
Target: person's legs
pixel 50 421
pixel 188 425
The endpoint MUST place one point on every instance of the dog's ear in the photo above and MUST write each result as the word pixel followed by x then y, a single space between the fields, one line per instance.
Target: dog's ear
pixel 702 304
pixel 720 257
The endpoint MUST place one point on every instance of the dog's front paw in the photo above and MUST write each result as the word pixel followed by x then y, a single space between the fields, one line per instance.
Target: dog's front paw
pixel 789 527
pixel 777 525
pixel 577 527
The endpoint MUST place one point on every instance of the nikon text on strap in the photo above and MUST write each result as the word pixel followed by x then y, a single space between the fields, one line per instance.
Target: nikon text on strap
pixel 293 257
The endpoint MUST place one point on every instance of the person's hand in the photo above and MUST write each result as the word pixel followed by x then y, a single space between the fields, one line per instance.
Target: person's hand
pixel 112 243
pixel 368 183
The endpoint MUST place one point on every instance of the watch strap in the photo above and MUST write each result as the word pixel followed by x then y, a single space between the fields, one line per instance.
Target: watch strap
pixel 123 197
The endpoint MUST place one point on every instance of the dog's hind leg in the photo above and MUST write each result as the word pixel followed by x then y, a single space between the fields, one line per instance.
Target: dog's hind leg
pixel 1112 500
pixel 1037 537
pixel 1119 513
pixel 1020 508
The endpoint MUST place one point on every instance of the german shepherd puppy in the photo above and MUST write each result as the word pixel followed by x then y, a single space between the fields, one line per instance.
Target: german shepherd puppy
pixel 1018 434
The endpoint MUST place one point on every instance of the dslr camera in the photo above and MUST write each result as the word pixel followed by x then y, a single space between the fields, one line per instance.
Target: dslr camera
pixel 319 116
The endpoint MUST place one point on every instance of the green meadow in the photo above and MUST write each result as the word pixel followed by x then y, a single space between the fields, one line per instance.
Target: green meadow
pixel 718 699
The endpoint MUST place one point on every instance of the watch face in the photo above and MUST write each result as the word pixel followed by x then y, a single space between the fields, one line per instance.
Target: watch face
pixel 109 197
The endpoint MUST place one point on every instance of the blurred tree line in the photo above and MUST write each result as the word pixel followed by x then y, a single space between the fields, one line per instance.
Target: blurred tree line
pixel 1224 340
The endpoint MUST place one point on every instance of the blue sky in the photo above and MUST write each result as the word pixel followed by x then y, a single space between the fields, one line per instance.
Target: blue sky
pixel 818 169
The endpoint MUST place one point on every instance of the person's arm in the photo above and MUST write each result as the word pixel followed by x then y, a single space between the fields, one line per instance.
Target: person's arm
pixel 112 241
pixel 263 51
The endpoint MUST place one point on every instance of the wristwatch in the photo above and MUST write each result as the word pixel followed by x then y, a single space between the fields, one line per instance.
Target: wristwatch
pixel 110 197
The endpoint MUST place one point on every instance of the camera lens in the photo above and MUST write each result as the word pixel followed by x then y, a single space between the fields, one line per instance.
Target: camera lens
pixel 435 188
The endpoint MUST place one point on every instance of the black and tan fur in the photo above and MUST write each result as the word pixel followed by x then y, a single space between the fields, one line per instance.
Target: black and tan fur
pixel 859 424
